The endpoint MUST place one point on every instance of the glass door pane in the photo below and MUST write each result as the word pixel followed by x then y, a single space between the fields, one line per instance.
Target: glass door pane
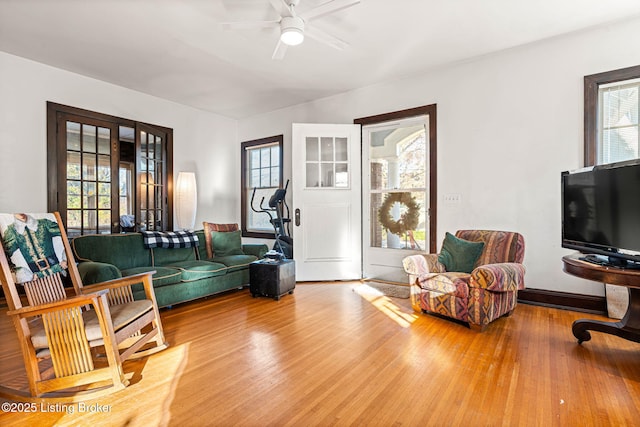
pixel 88 179
pixel 152 179
pixel 397 185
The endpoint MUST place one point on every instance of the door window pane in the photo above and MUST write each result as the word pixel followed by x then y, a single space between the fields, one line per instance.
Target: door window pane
pixel 88 138
pixel 104 168
pixel 312 149
pixel 73 165
pixel 341 150
pixel 326 149
pixel 73 136
pixel 313 175
pixel 104 143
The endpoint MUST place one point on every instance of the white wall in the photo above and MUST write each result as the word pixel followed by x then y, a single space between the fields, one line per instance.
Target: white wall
pixel 203 142
pixel 508 124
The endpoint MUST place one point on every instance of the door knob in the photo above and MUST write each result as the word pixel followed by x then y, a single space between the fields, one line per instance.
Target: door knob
pixel 297 217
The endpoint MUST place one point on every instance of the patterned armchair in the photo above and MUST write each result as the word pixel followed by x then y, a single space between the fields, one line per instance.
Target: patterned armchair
pixel 478 297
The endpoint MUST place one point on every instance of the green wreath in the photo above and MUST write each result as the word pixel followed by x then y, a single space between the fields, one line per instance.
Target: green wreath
pixel 408 220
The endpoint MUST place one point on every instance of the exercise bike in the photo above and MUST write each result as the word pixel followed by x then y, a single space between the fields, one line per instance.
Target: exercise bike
pixel 281 224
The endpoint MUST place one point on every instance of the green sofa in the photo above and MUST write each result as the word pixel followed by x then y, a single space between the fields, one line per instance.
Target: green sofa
pixel 182 274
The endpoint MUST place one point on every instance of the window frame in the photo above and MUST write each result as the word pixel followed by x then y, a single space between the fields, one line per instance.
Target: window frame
pixel 245 201
pixel 592 85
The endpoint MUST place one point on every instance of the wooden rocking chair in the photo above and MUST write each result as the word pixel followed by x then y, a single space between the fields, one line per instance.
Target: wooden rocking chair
pixel 72 346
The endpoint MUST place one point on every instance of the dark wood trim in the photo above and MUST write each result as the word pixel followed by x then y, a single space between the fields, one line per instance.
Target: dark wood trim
pixel 244 203
pixel 431 111
pixel 591 85
pixel 564 300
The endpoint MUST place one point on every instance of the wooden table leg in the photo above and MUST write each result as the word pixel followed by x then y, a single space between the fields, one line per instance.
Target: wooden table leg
pixel 628 328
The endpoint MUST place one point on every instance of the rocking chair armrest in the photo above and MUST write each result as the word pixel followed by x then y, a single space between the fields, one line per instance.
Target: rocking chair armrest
pixel 74 301
pixel 144 278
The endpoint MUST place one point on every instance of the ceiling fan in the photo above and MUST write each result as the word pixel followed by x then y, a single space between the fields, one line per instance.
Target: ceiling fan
pixel 294 26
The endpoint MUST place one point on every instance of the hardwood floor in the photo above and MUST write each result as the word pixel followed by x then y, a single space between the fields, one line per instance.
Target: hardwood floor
pixel 328 355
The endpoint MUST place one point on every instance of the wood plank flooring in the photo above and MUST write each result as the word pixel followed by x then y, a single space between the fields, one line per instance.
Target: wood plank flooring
pixel 331 355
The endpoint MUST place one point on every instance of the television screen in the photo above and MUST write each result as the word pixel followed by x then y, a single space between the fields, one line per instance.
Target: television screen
pixel 601 210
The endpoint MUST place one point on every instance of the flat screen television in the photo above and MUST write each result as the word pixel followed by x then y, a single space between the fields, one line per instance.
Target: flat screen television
pixel 601 213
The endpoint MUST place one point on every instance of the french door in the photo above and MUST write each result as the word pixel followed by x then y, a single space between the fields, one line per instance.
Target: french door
pixel 106 174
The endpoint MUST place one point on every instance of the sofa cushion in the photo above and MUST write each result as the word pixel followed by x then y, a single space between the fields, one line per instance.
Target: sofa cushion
pixel 226 243
pixel 235 262
pixel 162 277
pixel 459 255
pixel 97 272
pixel 164 257
pixel 196 269
pixel 122 250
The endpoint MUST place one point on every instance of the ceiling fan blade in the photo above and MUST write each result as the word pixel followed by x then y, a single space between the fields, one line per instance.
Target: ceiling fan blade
pixel 327 8
pixel 325 38
pixel 281 7
pixel 249 25
pixel 279 51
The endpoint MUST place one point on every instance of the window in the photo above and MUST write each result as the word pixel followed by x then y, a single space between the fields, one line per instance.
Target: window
pixel 611 116
pixel 107 174
pixel 261 176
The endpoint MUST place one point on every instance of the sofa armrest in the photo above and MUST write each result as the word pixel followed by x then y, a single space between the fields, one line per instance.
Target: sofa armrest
pixel 422 264
pixel 97 272
pixel 255 249
pixel 503 277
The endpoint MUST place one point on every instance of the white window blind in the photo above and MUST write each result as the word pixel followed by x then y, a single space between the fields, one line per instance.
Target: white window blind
pixel 618 125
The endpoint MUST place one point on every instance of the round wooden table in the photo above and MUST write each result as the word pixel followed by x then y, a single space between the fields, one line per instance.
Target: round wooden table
pixel 629 326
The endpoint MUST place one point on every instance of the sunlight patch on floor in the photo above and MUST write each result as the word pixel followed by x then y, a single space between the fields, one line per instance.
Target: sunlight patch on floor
pixel 385 305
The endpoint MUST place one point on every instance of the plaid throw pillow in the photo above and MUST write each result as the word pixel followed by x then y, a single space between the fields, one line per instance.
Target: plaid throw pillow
pixel 169 239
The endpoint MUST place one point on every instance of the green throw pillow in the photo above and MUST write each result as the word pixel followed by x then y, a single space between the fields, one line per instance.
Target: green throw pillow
pixel 459 255
pixel 226 243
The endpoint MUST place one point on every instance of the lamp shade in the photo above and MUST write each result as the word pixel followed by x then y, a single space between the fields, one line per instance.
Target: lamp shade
pixel 186 200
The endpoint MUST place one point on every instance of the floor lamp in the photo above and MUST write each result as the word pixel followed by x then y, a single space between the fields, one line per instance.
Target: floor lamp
pixel 186 200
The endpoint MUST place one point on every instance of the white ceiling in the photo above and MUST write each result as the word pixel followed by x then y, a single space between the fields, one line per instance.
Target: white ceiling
pixel 175 49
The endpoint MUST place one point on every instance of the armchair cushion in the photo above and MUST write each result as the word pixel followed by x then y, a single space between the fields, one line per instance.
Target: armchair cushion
pixel 456 284
pixel 459 255
pixel 503 277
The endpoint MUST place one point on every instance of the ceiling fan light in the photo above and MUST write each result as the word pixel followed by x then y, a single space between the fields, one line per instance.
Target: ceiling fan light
pixel 292 36
pixel 291 30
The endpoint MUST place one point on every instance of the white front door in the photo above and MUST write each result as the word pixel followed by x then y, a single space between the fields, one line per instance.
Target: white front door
pixel 326 201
